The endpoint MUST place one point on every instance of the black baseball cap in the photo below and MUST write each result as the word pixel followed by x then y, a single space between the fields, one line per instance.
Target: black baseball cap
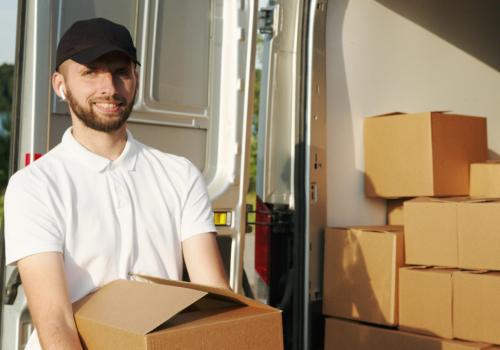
pixel 90 39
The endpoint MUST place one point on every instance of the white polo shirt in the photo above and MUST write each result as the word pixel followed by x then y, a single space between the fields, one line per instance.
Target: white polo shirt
pixel 108 218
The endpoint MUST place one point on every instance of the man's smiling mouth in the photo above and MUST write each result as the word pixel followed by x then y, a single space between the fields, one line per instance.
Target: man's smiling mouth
pixel 108 107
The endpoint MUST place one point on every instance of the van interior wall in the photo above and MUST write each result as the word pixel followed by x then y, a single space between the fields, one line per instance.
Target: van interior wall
pixel 410 56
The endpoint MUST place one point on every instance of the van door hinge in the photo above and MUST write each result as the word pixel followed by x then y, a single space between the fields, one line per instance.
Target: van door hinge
pixel 266 22
pixel 10 291
pixel 280 218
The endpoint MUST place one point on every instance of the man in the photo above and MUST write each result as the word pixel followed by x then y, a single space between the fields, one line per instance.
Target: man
pixel 101 206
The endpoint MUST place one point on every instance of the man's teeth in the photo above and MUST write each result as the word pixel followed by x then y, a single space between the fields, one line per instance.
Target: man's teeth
pixel 107 105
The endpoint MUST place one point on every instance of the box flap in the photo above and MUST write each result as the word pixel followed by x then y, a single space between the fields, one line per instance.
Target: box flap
pixel 380 229
pixel 430 268
pixel 481 272
pixel 449 199
pixel 219 292
pixel 405 113
pixel 417 267
pixel 135 307
pixel 439 199
pixel 387 114
pixel 488 162
pixel 482 200
pixel 440 112
pixel 452 200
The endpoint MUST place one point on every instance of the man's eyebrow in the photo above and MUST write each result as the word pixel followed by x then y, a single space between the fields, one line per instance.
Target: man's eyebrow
pixel 86 67
pixel 117 65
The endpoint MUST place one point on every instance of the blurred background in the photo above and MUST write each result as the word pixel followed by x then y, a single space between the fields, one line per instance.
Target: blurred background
pixel 8 16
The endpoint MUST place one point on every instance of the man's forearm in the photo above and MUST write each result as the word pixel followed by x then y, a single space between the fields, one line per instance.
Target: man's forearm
pixel 203 260
pixel 58 336
pixel 44 283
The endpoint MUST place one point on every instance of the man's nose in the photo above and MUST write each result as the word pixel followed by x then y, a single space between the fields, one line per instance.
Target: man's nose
pixel 107 84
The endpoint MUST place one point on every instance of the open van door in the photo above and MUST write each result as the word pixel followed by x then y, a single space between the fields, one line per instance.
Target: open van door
pixel 291 166
pixel 194 100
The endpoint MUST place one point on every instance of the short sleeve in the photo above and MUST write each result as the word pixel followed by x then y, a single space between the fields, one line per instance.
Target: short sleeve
pixel 197 215
pixel 30 220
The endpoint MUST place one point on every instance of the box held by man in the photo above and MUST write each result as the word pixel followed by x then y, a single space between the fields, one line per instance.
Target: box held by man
pixel 161 314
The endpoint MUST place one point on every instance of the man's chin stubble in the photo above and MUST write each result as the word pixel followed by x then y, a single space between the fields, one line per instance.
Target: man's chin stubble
pixel 91 120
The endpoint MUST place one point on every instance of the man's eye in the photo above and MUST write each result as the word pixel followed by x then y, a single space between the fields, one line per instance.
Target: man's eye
pixel 88 72
pixel 123 72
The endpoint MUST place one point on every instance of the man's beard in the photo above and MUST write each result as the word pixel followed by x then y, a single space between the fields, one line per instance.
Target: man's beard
pixel 90 119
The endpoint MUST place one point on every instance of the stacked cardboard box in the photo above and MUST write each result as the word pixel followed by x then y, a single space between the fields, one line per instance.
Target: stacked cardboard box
pixel 426 301
pixel 419 155
pixel 360 273
pixel 453 232
pixel 423 154
pixel 462 233
pixel 395 213
pixel 450 303
pixel 348 335
pixel 485 180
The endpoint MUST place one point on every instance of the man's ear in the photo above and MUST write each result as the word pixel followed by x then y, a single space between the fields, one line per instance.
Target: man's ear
pixel 136 73
pixel 58 85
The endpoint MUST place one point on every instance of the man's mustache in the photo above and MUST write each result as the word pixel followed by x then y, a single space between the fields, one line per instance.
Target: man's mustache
pixel 116 99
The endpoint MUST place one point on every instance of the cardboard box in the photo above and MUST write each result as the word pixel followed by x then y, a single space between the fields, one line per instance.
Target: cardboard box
pixel 360 273
pixel 423 154
pixel 426 301
pixel 395 211
pixel 130 315
pixel 348 335
pixel 476 306
pixel 479 234
pixel 453 232
pixel 485 180
pixel 431 236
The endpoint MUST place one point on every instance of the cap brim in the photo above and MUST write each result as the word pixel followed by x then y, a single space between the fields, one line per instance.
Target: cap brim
pixel 93 53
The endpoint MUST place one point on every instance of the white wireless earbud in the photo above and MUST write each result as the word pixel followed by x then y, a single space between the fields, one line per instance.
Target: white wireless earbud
pixel 61 91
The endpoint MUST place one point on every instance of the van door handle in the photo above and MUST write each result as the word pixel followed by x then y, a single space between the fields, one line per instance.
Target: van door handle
pixel 11 287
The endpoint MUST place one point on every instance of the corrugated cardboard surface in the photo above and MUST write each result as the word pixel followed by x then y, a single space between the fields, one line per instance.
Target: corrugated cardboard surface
pixel 398 156
pixel 476 308
pixel 453 232
pixel 423 154
pixel 235 328
pixel 485 180
pixel 395 211
pixel 479 235
pixel 426 300
pixel 360 273
pixel 174 315
pixel 457 141
pixel 431 231
pixel 348 335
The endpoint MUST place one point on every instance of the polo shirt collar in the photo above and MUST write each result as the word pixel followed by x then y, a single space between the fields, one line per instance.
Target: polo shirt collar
pixel 127 158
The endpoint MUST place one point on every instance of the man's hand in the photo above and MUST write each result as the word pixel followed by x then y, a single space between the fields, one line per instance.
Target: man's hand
pixel 203 260
pixel 45 287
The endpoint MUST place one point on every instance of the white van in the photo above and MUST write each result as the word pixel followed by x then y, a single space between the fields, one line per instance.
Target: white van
pixel 325 66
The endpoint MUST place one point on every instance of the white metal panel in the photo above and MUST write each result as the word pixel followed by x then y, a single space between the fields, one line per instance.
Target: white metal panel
pixel 233 137
pixel 182 54
pixel 280 91
pixel 16 323
pixel 315 160
pixel 36 80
